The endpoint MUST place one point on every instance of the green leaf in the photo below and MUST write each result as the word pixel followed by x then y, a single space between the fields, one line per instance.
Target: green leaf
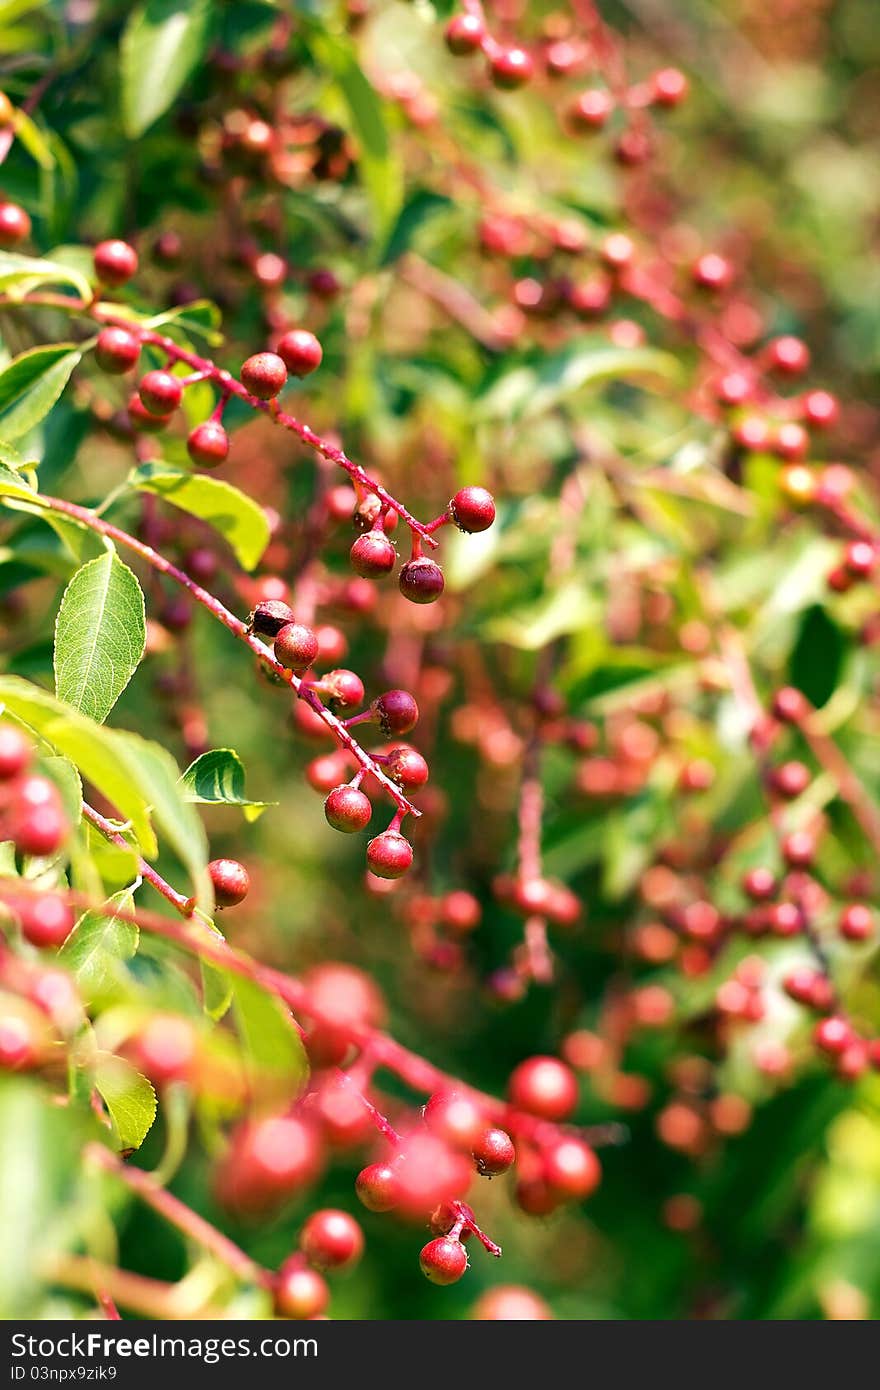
pixel 201 318
pixel 274 1054
pixel 563 610
pixel 31 384
pixel 529 391
pixel 100 634
pixel 31 137
pixel 11 485
pixel 217 778
pixel 238 519
pixel 12 459
pixel 217 989
pixel 129 1098
pixel 163 41
pixel 157 775
pixel 21 274
pixel 62 772
pixel 97 949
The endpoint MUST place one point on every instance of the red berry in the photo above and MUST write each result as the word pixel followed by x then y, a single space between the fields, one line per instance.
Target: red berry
pixel 343 689
pixel 571 1169
pixel 372 555
pixel 264 375
pixel 348 809
pixel 295 647
pixel 46 920
pixel 208 444
pixel 160 392
pixel 856 923
pixel 617 250
pixel 472 509
pixel 168 248
pixel 860 558
pixel 269 617
pixel 789 705
pixel 231 881
pixel 396 711
pixel 792 441
pixel 493 1152
pixel 791 779
pixel 510 1303
pixel 142 420
pixel 299 1292
pixel 443 1260
pixel 460 912
pixel 799 849
pixel 268 1161
pixel 324 284
pixel 789 355
pixel 21 1044
pixel 510 68
pixel 117 350
pixel 714 272
pixel 669 87
pixel 464 34
pixel 833 1035
pixel 407 767
pixel 752 433
pixel 332 1239
pixel 421 581
pixel 591 109
pixel 115 262
pixel 165 1049
pixel 389 855
pixel 544 1086
pixel 39 829
pixel 535 1197
pixel 300 351
pixel 820 409
pixel 378 1187
pixel 455 1117
pixel 735 388
pixel 15 751
pixel 15 225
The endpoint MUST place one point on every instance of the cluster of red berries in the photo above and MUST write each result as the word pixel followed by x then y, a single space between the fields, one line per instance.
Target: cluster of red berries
pixel 32 815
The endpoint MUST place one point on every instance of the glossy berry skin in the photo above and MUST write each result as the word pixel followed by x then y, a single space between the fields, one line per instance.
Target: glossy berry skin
pixel 116 350
pixel 454 1117
pixel 396 711
pixel 464 34
pixel 571 1169
pixel 15 225
pixel 348 809
pixel 264 375
pixel 332 1239
pixel 45 921
pixel 296 647
pixel 372 555
pixel 231 881
pixel 300 352
pixel 389 855
pixel 160 392
pixel 856 923
pixel 543 1086
pixel 208 444
pixel 343 689
pixel 269 617
pixel 115 262
pixel 407 767
pixel 493 1152
pixel 299 1292
pixel 472 509
pixel 15 752
pixel 421 581
pixel 377 1187
pixel 510 68
pixel 443 1261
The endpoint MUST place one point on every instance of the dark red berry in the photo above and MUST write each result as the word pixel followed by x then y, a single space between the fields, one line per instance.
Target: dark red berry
pixel 494 1152
pixel 160 392
pixel 46 920
pixel 332 1239
pixel 421 581
pixel 115 262
pixel 15 225
pixel 15 751
pixel 299 1292
pixel 231 881
pixel 168 248
pixel 300 352
pixel 510 68
pixel 760 884
pixel 396 711
pixel 264 375
pixel 296 647
pixel 372 555
pixel 389 855
pixel 407 767
pixel 348 809
pixel 269 617
pixel 208 444
pixel 464 34
pixel 472 509
pixel 377 1186
pixel 443 1260
pixel 117 350
pixel 544 1086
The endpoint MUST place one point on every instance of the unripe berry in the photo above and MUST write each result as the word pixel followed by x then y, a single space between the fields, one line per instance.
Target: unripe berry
pixel 389 855
pixel 160 392
pixel 299 1292
pixel 300 351
pixel 348 809
pixel 510 68
pixel 295 647
pixel 377 1186
pixel 264 375
pixel 15 752
pixel 407 767
pixel 165 1049
pixel 571 1169
pixel 396 711
pixel 269 617
pixel 493 1152
pixel 464 34
pixel 421 581
pixel 46 920
pixel 454 1117
pixel 472 509
pixel 332 1239
pixel 208 444
pixel 231 881
pixel 15 225
pixel 115 262
pixel 117 350
pixel 543 1086
pixel 856 923
pixel 443 1260
pixel 372 555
